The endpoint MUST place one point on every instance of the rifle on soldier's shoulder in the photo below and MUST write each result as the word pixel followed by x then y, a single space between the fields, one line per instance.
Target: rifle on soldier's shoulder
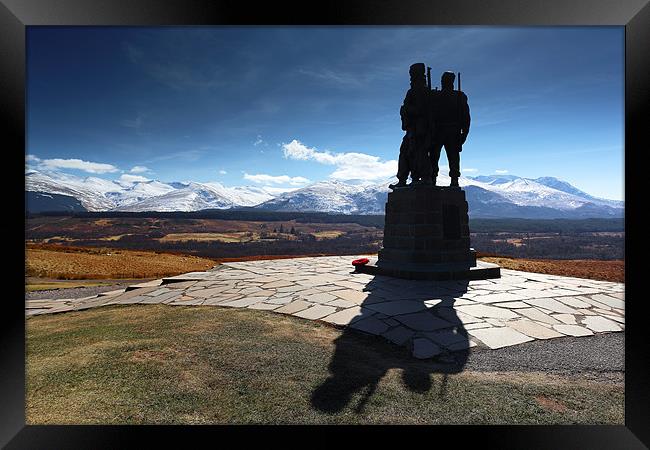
pixel 460 118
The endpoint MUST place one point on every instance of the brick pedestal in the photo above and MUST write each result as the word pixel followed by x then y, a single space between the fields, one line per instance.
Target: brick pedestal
pixel 426 236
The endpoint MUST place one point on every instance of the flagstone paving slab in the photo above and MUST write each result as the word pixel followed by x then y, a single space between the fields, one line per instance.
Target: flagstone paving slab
pixel 481 311
pixel 370 325
pixel 423 321
pixel 498 337
pixel 420 315
pixel 294 306
pixel 609 300
pixel 532 329
pixel 315 312
pixel 569 319
pixel 111 293
pixel 424 348
pixel 537 315
pixel 574 302
pixel 551 305
pixel 498 297
pixel 145 299
pixel 263 306
pixel 399 335
pixel 348 294
pixel 511 305
pixel 397 307
pixel 318 297
pixel 341 303
pixel 573 330
pixel 246 301
pixel 600 324
pixel 347 316
pixel 445 338
pixel 144 285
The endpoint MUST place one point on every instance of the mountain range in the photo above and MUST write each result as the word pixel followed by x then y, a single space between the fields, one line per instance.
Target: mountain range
pixel 493 196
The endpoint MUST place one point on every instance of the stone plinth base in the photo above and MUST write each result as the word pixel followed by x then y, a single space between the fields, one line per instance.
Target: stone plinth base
pixel 426 236
pixel 449 271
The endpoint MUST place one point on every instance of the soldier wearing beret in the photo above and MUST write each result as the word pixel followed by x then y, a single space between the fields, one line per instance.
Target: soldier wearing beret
pixel 417 121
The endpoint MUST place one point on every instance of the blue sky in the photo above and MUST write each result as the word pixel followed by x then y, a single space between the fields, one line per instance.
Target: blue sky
pixel 285 106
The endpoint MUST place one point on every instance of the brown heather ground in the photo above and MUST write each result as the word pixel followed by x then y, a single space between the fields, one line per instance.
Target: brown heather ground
pixel 75 263
pixel 85 263
pixel 579 268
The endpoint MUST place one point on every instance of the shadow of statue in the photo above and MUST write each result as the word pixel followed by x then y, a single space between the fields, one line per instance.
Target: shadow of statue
pixel 426 333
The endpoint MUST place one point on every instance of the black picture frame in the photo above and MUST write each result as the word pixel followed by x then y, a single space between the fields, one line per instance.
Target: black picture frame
pixel 16 15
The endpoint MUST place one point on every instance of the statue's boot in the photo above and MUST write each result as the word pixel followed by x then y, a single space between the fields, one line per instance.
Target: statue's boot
pixel 428 181
pixel 400 183
pixel 454 182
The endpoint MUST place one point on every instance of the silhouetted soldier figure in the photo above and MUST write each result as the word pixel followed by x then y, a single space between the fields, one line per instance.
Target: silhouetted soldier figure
pixel 417 121
pixel 451 119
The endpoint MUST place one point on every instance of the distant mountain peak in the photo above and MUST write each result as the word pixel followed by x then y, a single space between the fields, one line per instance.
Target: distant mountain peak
pixel 488 196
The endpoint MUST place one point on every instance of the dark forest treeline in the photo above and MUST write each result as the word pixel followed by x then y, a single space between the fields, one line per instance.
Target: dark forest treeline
pixel 251 215
pixel 476 225
pixel 343 245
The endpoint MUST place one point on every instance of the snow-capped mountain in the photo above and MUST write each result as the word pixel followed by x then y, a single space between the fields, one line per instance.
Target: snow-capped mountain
pixel 488 196
pixel 198 196
pixel 90 192
pixel 98 194
pixel 543 192
pixel 563 186
pixel 333 197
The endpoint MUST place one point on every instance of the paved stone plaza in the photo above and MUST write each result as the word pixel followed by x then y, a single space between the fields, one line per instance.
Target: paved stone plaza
pixel 429 317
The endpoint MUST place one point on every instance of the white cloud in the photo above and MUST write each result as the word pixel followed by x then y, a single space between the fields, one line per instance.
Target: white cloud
pixel 222 172
pixel 259 141
pixel 344 79
pixel 132 178
pixel 349 166
pixel 140 169
pixel 33 158
pixel 132 123
pixel 501 171
pixel 263 178
pixel 469 170
pixel 77 164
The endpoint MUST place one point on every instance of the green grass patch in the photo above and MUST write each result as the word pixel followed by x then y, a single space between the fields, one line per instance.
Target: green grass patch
pixel 145 364
pixel 61 285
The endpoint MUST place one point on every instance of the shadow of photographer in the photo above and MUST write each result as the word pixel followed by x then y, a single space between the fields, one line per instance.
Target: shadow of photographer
pixel 418 316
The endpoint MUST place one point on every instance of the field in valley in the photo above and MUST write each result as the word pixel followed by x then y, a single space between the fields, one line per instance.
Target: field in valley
pixel 89 247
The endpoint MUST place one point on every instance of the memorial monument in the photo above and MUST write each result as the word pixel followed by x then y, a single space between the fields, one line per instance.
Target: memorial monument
pixel 426 232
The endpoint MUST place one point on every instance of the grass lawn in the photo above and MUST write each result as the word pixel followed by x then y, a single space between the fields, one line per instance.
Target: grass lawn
pixel 142 364
pixel 45 285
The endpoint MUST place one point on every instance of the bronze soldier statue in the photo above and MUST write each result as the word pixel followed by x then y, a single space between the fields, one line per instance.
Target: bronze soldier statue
pixel 451 118
pixel 417 121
